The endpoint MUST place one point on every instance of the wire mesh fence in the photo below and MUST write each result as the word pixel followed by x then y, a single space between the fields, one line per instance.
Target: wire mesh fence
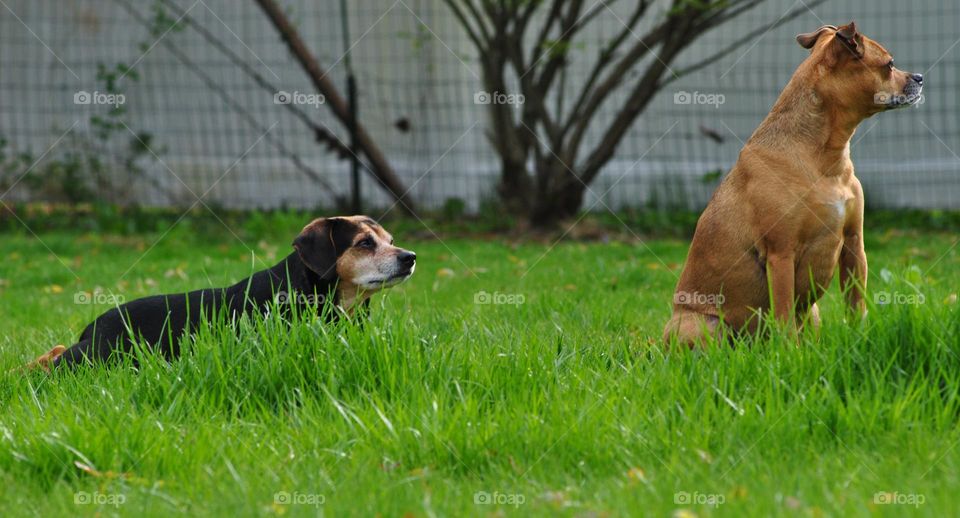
pixel 199 116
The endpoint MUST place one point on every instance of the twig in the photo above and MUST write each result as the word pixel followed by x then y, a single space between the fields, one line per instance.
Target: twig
pixel 236 106
pixel 380 168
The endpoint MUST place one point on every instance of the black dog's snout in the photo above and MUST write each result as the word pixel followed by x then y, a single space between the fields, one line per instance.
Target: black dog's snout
pixel 407 258
pixel 917 77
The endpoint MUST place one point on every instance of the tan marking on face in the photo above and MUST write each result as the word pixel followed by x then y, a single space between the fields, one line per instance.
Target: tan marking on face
pixel 369 264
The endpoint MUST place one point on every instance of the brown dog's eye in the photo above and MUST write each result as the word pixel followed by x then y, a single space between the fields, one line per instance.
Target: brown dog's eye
pixel 366 243
pixel 890 65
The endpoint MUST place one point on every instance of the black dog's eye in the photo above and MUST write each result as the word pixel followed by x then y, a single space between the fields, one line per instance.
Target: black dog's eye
pixel 366 243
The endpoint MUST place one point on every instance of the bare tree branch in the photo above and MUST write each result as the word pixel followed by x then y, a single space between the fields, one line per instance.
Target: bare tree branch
pixel 614 79
pixel 478 38
pixel 605 58
pixel 380 168
pixel 536 52
pixel 759 31
pixel 321 134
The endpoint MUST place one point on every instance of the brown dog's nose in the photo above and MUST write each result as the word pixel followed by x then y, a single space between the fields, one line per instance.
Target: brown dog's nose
pixel 918 78
pixel 407 258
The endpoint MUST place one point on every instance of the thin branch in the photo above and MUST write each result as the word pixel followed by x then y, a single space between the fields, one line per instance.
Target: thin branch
pixel 680 32
pixel 614 79
pixel 237 107
pixel 559 59
pixel 478 17
pixel 380 167
pixel 604 60
pixel 477 39
pixel 750 36
pixel 552 16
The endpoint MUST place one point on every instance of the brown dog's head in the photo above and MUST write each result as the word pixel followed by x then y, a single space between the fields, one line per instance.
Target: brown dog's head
pixel 857 73
pixel 355 252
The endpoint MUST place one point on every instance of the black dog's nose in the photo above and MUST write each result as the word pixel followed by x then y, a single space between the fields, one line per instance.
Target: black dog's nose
pixel 407 258
pixel 918 78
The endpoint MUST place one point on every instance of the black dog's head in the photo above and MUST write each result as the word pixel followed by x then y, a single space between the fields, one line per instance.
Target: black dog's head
pixel 356 253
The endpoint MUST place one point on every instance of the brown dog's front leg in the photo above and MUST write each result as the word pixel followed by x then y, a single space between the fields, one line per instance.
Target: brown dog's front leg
pixel 780 275
pixel 853 258
pixel 853 272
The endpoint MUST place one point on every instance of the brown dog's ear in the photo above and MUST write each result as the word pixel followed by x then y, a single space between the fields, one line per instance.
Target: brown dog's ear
pixel 850 38
pixel 808 39
pixel 317 247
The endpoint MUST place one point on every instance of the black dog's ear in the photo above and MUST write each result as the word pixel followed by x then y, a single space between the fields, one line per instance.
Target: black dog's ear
pixel 808 39
pixel 318 248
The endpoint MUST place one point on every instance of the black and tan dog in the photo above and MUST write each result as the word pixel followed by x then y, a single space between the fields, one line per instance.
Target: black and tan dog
pixel 791 210
pixel 342 259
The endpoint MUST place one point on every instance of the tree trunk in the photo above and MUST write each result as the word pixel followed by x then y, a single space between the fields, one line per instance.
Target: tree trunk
pixel 559 195
pixel 564 204
pixel 515 188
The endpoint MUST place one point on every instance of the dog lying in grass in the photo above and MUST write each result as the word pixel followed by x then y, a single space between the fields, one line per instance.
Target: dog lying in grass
pixel 342 260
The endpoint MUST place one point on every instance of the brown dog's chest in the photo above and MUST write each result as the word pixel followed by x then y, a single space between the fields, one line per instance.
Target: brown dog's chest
pixel 828 213
pixel 828 210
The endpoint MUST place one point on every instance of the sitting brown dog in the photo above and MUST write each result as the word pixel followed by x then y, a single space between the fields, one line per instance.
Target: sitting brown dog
pixel 791 208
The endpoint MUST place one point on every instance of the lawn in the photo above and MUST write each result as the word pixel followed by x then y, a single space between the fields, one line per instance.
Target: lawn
pixel 553 397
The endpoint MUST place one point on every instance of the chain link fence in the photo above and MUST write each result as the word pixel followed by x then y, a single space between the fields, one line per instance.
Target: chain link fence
pixel 98 102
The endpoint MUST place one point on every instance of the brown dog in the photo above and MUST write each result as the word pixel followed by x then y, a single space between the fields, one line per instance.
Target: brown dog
pixel 791 208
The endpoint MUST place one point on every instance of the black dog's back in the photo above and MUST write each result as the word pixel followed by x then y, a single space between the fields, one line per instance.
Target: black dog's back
pixel 160 321
pixel 307 280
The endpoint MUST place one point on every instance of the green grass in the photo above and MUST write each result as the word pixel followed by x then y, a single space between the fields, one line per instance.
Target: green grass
pixel 562 404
